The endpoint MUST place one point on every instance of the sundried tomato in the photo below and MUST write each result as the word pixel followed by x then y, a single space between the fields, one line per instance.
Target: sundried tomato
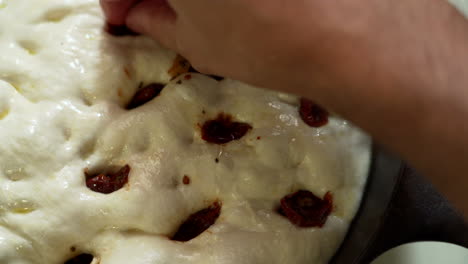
pixel 108 183
pixel 179 66
pixel 145 95
pixel 312 114
pixel 186 180
pixel 223 129
pixel 304 209
pixel 197 223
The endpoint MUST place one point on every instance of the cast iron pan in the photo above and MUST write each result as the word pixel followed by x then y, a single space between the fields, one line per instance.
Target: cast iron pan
pixel 384 175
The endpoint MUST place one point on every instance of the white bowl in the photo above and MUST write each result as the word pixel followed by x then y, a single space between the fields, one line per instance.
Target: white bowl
pixel 425 253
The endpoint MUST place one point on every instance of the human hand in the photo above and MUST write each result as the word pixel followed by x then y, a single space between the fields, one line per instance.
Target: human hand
pixel 314 48
pixel 296 42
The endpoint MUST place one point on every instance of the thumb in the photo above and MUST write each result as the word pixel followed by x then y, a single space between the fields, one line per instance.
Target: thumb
pixel 156 19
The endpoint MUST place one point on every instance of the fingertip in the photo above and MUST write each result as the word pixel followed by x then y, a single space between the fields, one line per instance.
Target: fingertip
pixel 154 18
pixel 116 11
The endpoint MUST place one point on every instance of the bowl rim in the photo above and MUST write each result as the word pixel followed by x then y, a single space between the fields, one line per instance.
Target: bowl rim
pixel 424 251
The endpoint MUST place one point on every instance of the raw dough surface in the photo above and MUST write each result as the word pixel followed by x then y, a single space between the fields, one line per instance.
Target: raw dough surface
pixel 64 85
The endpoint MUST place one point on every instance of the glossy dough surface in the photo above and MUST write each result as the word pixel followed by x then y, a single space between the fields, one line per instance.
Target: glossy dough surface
pixel 64 86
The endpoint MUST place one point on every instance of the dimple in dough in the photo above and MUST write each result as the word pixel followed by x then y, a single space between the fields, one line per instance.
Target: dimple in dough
pixel 64 85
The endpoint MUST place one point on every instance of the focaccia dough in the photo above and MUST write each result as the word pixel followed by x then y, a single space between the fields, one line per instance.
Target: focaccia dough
pixel 64 85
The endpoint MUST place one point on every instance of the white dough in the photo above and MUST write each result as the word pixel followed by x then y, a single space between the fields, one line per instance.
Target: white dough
pixel 63 89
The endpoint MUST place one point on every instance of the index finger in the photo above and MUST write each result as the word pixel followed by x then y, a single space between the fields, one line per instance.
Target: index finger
pixel 116 10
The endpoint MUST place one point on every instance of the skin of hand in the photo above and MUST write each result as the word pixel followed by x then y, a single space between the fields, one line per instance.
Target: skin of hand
pixel 395 68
